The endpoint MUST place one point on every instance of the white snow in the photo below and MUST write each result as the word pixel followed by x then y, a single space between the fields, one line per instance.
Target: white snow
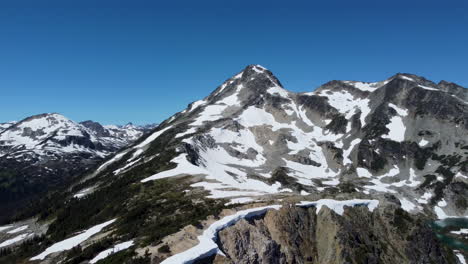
pixel 396 126
pixel 253 116
pixel 392 172
pixel 442 215
pixel 400 111
pixel 128 165
pixel 348 105
pixel 210 113
pixel 379 186
pixel 240 141
pixel 338 206
pixel 442 203
pixel 207 241
pixel 196 104
pixel 241 200
pixel 183 167
pixel 367 86
pixel 428 88
pixel 407 78
pixel 82 193
pixel 14 240
pixel 18 229
pixel 347 152
pixel 258 69
pixel 397 129
pixel 425 198
pixel 151 138
pixel 332 182
pixel 363 173
pixel 423 142
pixel 276 90
pixel 71 242
pixel 460 232
pixel 460 257
pixel 460 175
pixel 110 251
pixel 50 126
pixel 2 228
pixel 117 157
pixel 412 182
pixel 407 205
pixel 215 168
pixel 305 173
pixel 188 131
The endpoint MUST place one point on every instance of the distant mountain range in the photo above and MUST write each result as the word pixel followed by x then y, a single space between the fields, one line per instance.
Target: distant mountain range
pixel 47 150
pixel 352 172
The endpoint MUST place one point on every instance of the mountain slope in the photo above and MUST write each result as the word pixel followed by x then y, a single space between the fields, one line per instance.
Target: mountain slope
pixel 389 136
pixel 400 142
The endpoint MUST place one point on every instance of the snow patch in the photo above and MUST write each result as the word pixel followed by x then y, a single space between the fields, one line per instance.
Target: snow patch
pixel 242 200
pixel 104 254
pixel 429 88
pixel 460 257
pixel 2 228
pixel 338 206
pixel 442 215
pixel 18 229
pixel 442 203
pixel 347 152
pixel 407 205
pixel 14 240
pixel 363 173
pixel 407 78
pixel 397 129
pixel 423 142
pixel 74 241
pixel 462 231
pixel 425 198
pixel 365 86
pixel 400 111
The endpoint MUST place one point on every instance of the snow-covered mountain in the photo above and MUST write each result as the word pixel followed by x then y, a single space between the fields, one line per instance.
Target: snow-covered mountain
pixel 397 146
pixel 51 134
pixel 405 135
pixel 46 150
pixel 6 125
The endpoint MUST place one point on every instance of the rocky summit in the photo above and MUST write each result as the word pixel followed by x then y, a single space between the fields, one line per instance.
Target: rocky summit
pixel 352 172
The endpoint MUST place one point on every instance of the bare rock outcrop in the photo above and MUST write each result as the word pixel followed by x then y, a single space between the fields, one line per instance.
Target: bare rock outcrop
pixel 300 235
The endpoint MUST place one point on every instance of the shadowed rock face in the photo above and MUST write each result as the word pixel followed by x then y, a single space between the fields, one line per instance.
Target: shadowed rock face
pixel 300 235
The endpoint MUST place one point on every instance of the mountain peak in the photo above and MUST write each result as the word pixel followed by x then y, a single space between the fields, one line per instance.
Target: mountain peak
pixel 253 79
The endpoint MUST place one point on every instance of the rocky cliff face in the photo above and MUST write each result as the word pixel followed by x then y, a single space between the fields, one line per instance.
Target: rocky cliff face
pixel 402 141
pixel 300 235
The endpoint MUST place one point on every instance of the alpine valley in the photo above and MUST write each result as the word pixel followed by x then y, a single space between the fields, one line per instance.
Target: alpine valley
pixel 353 172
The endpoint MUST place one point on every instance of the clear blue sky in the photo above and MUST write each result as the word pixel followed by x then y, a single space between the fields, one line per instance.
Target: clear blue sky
pixel 142 61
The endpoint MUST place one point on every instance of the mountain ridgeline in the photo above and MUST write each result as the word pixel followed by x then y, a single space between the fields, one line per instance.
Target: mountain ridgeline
pixel 231 173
